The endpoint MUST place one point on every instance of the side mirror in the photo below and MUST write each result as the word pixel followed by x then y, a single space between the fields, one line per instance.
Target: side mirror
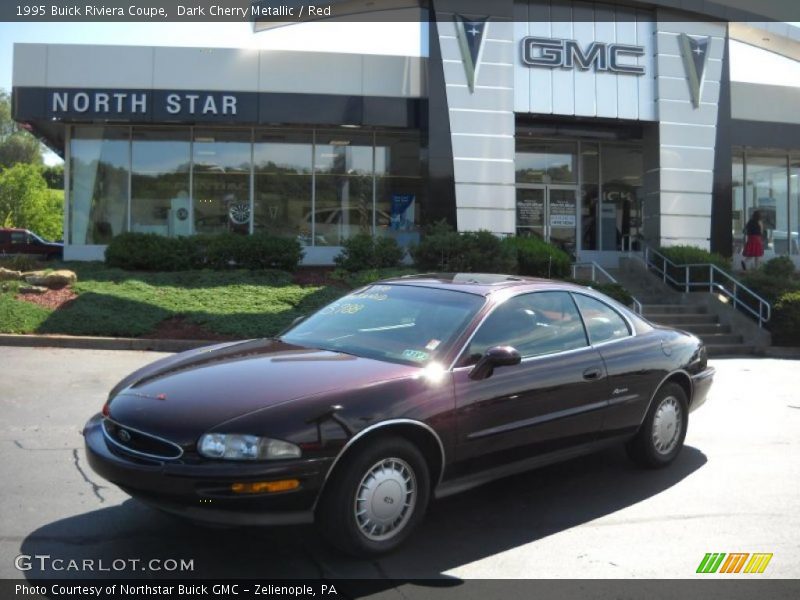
pixel 496 356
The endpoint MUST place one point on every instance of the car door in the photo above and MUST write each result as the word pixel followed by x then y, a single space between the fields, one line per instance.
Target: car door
pixel 630 362
pixel 550 401
pixel 19 242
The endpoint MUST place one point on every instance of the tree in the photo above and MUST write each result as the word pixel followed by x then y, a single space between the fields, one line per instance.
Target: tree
pixel 26 202
pixel 16 144
pixel 54 176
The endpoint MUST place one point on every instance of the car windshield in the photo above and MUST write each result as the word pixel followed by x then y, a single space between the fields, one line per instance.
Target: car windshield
pixel 396 323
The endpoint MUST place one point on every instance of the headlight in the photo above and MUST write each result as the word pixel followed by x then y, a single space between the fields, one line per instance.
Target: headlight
pixel 237 446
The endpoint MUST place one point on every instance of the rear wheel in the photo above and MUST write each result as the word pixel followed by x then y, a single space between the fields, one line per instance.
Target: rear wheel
pixel 661 436
pixel 376 497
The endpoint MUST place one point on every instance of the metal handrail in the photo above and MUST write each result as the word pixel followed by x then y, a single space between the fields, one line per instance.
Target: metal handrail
pixel 764 312
pixel 637 306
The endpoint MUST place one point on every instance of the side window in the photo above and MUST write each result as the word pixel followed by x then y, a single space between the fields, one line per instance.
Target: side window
pixel 602 322
pixel 18 238
pixel 535 324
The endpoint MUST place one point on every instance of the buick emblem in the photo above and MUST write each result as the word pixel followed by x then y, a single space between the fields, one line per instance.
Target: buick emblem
pixel 124 435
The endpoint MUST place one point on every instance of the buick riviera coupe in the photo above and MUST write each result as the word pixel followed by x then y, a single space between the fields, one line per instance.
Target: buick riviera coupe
pixel 403 391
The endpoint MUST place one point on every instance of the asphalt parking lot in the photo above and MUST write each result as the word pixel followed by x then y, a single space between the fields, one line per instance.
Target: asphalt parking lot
pixel 734 488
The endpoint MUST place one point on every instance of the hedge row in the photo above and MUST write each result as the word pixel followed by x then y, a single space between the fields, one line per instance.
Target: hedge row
pixel 153 252
pixel 445 250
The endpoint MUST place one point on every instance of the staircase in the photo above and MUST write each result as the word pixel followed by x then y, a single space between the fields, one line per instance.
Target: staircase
pixel 719 339
pixel 690 312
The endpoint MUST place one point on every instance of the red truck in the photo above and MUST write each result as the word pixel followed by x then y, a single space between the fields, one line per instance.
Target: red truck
pixel 24 242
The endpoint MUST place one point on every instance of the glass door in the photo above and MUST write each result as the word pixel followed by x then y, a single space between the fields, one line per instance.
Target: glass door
pixel 562 210
pixel 531 212
pixel 550 213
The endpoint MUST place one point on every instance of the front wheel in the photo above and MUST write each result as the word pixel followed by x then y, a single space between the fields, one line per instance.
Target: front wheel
pixel 376 497
pixel 661 436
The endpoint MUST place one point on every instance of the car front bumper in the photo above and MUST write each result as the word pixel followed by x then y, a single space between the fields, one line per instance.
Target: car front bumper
pixel 201 490
pixel 701 383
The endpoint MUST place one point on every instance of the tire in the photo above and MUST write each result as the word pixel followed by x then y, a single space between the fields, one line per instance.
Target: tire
pixel 657 444
pixel 370 477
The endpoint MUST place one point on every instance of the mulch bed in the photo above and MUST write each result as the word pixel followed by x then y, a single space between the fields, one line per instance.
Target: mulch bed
pixel 178 328
pixel 314 276
pixel 51 299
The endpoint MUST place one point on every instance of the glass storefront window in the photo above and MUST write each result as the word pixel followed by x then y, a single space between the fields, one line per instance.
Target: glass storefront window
pixel 318 186
pixel 738 212
pixel 620 207
pixel 98 195
pixel 767 192
pixel 590 188
pixel 160 200
pixel 343 164
pixel 398 186
pixel 794 205
pixel 540 161
pixel 282 161
pixel 221 180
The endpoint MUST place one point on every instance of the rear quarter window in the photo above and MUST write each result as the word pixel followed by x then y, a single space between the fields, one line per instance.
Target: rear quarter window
pixel 603 323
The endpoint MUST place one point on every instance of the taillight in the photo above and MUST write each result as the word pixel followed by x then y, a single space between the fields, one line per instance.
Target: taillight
pixel 105 409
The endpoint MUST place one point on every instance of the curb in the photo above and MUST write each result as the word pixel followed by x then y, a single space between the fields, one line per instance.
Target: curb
pixel 779 352
pixel 101 343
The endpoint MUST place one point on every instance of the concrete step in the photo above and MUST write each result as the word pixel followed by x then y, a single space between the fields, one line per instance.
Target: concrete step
pixel 663 309
pixel 681 321
pixel 716 339
pixel 717 350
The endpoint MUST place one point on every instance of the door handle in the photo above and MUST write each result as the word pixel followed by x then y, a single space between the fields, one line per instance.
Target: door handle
pixel 592 374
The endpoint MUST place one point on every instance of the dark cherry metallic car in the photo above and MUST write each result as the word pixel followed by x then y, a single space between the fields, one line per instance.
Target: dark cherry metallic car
pixel 24 242
pixel 402 391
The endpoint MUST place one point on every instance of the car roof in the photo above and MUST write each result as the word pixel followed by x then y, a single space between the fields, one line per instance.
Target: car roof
pixel 478 283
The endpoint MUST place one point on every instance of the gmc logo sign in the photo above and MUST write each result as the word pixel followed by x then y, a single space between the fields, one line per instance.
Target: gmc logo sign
pixel 568 54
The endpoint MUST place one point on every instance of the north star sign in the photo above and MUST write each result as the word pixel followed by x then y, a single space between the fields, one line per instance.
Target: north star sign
pixel 568 54
pixel 133 104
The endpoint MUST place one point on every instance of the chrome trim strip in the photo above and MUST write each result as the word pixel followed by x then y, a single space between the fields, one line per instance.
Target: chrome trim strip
pixel 138 452
pixel 373 427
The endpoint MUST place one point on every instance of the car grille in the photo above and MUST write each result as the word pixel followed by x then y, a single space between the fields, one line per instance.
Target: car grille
pixel 139 443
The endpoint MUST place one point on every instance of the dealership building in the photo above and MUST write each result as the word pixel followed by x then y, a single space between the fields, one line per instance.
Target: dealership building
pixel 600 127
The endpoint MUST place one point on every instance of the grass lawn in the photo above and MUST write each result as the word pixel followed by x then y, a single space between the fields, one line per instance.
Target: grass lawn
pixel 112 302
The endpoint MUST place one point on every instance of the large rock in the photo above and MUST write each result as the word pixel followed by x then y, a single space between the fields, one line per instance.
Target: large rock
pixel 54 279
pixel 9 275
pixel 32 289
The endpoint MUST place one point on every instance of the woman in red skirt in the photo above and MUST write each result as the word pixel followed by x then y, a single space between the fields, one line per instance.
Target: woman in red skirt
pixel 754 245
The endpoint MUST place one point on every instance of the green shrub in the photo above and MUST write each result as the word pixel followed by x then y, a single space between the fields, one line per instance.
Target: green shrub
pixel 785 322
pixel 537 258
pixel 363 251
pixel 263 251
pixel 691 255
pixel 362 278
pixel 780 266
pixel 21 262
pixel 443 249
pixel 768 287
pixel 143 252
pixel 152 252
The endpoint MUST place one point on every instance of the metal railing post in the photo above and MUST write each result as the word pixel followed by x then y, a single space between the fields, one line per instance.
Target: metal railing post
pixel 686 269
pixel 710 278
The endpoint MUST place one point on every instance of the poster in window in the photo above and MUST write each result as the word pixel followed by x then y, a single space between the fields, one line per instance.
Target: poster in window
pixel 402 217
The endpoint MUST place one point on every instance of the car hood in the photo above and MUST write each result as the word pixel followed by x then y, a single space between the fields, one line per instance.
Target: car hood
pixel 185 395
